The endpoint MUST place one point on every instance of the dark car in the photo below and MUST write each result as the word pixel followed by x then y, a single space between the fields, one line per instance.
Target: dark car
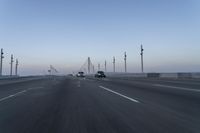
pixel 80 74
pixel 100 74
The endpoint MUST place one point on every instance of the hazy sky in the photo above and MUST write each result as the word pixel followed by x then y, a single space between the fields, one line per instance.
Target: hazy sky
pixel 65 32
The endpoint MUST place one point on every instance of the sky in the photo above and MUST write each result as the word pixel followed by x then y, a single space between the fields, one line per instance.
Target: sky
pixel 63 33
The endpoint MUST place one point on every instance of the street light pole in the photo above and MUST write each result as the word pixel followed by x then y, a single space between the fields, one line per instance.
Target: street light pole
pixel 114 64
pixel 89 62
pixel 142 65
pixel 11 65
pixel 16 67
pixel 1 65
pixel 125 56
pixel 105 66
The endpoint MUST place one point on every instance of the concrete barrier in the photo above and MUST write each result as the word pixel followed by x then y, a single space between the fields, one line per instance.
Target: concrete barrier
pixel 168 75
pixel 153 75
pixel 127 75
pixel 8 77
pixel 137 75
pixel 195 75
pixel 184 75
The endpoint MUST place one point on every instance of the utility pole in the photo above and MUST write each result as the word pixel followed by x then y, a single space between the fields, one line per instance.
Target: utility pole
pixel 89 62
pixel 16 67
pixel 125 56
pixel 105 66
pixel 1 65
pixel 11 65
pixel 114 64
pixel 142 67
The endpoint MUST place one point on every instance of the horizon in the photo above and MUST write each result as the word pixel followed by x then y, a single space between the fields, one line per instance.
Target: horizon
pixel 65 33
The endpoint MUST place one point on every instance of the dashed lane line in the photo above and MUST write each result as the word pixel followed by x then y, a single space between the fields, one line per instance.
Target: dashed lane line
pixel 119 94
pixel 18 93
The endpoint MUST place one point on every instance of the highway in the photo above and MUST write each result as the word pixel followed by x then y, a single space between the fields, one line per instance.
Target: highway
pixel 89 105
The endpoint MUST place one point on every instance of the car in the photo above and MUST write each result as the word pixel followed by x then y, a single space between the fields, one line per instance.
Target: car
pixel 100 74
pixel 80 74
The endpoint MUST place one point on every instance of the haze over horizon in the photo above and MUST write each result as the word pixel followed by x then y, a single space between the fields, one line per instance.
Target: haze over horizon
pixel 65 33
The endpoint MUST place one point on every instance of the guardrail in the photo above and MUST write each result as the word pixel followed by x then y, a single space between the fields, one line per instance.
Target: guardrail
pixel 154 75
pixel 20 77
pixel 8 77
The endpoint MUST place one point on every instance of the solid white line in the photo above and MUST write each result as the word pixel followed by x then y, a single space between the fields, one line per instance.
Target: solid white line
pixel 131 99
pixel 18 93
pixel 174 87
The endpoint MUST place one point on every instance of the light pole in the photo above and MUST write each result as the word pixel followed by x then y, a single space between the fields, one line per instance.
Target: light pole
pixel 11 65
pixel 89 62
pixel 16 67
pixel 142 65
pixel 125 56
pixel 114 64
pixel 105 66
pixel 1 65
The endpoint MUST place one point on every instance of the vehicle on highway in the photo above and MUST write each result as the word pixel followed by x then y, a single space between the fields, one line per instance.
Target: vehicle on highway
pixel 80 74
pixel 100 74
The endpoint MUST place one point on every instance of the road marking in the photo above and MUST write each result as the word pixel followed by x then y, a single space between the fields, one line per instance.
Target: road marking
pixel 34 88
pixel 18 93
pixel 131 99
pixel 174 87
pixel 79 84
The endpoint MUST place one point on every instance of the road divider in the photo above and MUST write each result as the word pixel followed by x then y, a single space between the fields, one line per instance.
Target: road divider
pixel 154 75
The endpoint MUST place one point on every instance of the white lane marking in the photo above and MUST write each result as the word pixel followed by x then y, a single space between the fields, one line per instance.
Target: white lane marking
pixel 174 87
pixel 18 93
pixel 35 88
pixel 79 84
pixel 131 99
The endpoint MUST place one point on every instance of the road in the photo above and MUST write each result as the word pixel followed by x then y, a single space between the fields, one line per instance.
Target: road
pixel 78 105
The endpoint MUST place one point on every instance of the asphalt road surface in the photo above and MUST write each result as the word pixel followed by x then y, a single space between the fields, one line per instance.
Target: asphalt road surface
pixel 78 105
